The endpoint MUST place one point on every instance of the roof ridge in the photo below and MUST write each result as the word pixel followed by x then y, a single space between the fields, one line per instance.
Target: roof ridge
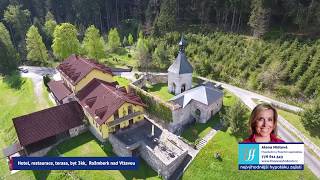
pixel 114 92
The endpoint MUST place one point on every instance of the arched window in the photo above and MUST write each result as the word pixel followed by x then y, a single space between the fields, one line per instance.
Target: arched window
pixel 183 88
pixel 198 113
pixel 174 87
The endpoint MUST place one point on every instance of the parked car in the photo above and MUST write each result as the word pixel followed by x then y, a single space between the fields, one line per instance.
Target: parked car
pixel 23 70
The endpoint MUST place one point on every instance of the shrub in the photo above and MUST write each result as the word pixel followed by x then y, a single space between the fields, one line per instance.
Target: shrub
pixel 46 79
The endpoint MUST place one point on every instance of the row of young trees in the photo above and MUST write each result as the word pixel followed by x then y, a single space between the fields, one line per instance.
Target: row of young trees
pixel 287 67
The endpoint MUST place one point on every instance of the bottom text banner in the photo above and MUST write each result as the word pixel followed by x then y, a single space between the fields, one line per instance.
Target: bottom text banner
pixel 74 163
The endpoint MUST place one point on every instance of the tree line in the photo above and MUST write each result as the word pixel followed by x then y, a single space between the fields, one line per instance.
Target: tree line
pixel 157 16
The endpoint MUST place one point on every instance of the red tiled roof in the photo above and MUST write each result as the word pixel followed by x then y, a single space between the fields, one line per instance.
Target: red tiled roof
pixel 39 125
pixel 75 68
pixel 102 99
pixel 58 89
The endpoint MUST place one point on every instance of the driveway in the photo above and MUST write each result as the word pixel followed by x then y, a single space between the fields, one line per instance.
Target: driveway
pixel 35 74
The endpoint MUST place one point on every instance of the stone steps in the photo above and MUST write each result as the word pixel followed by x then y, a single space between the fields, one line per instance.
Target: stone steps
pixel 201 143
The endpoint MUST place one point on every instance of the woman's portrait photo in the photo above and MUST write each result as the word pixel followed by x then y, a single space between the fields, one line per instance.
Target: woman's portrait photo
pixel 263 125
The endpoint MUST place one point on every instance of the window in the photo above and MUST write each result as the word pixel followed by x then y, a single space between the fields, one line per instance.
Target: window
pixel 130 109
pixel 116 115
pixel 183 88
pixel 174 88
pixel 198 113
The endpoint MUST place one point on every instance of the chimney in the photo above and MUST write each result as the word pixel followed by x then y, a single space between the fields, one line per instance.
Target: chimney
pixel 152 130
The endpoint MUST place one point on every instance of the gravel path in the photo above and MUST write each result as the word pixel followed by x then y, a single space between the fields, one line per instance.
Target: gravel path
pixel 35 74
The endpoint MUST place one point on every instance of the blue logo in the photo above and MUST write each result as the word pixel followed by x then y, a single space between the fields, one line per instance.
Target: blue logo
pixel 248 154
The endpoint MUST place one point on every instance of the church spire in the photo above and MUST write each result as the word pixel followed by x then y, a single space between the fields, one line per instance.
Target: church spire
pixel 182 44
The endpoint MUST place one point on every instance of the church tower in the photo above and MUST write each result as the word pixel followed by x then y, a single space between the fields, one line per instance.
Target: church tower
pixel 180 72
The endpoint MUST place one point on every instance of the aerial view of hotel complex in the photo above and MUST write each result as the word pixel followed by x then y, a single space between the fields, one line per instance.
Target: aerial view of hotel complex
pixel 170 82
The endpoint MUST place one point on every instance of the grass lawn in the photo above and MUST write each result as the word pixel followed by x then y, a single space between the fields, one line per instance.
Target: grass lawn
pixel 205 166
pixel 45 95
pixel 87 145
pixel 123 58
pixel 122 81
pixel 199 130
pixel 17 98
pixel 160 90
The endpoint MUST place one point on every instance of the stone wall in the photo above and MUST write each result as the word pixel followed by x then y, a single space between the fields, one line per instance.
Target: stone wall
pixel 77 130
pixel 152 78
pixel 165 170
pixel 180 117
pixel 157 78
pixel 119 148
pixel 140 82
pixel 96 134
pixel 179 80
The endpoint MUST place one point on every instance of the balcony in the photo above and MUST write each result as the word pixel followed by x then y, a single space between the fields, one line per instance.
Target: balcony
pixel 124 118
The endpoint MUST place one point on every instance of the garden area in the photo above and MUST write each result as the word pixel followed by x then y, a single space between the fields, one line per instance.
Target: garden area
pixel 160 90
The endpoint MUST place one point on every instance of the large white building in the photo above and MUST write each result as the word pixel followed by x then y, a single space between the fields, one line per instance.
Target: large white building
pixel 198 103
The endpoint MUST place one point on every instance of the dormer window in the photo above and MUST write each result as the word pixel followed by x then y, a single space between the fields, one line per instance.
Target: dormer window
pixel 101 111
pixel 90 101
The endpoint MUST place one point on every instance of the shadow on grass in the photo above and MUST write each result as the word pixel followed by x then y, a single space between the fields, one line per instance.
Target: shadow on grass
pixel 75 142
pixel 13 80
pixel 156 87
pixel 41 174
pixel 44 174
pixel 193 132
pixel 106 147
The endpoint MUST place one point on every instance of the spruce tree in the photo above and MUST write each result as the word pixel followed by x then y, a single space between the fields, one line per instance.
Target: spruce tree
pixel 35 47
pixel 113 40
pixel 130 39
pixel 260 17
pixel 65 41
pixel 93 43
pixel 8 55
pixel 50 24
pixel 166 19
pixel 142 53
pixel 125 41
